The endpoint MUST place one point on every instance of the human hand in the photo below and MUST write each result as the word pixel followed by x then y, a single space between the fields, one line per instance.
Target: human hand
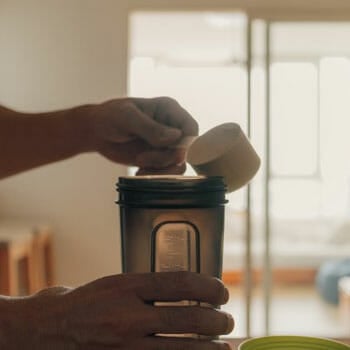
pixel 141 132
pixel 116 312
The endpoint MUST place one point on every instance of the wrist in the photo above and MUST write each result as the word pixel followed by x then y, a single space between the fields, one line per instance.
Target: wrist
pixel 67 131
pixel 80 128
pixel 7 321
pixel 34 322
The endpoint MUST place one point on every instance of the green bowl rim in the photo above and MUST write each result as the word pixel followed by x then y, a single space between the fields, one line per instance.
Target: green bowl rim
pixel 317 340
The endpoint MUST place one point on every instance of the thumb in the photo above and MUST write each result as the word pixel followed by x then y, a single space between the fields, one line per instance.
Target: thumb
pixel 151 131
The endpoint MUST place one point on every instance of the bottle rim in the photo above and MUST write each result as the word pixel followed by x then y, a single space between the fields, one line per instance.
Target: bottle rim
pixel 171 191
pixel 171 183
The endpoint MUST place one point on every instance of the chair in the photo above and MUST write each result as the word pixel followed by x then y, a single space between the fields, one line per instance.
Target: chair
pixel 26 261
pixel 16 261
pixel 43 257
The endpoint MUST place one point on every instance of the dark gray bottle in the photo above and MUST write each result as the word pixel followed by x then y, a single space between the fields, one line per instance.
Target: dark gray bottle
pixel 172 223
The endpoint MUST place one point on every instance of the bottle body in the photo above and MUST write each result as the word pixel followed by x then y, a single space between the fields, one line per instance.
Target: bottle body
pixel 152 237
pixel 172 224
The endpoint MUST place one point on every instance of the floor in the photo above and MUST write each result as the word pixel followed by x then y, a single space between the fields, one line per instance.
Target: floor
pixel 294 310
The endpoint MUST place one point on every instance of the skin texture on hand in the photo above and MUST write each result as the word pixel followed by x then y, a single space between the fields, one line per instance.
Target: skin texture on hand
pixel 117 312
pixel 132 131
pixel 144 134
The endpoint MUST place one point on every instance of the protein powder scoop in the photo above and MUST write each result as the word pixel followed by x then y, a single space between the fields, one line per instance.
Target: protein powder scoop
pixel 224 151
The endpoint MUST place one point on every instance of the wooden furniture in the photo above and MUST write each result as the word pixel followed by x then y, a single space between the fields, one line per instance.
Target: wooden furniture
pixel 26 262
pixel 283 276
pixel 16 261
pixel 43 257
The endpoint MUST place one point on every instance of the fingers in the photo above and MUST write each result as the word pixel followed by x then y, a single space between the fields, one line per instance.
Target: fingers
pixel 159 123
pixel 171 170
pixel 160 159
pixel 117 309
pixel 165 286
pixel 168 111
pixel 136 122
pixel 149 160
pixel 191 319
pixel 177 286
pixel 168 343
pixel 56 290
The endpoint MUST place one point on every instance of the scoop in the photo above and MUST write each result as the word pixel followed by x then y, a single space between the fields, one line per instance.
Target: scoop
pixel 224 151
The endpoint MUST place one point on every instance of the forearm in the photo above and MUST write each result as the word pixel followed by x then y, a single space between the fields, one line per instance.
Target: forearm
pixel 31 140
pixel 34 322
pixel 6 322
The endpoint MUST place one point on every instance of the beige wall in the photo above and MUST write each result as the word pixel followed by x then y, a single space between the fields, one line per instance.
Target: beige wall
pixel 58 53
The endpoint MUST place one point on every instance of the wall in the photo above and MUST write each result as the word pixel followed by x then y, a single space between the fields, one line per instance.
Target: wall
pixel 56 54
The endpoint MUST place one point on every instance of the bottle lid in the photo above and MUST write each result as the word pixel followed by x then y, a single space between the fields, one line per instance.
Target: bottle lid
pixel 171 191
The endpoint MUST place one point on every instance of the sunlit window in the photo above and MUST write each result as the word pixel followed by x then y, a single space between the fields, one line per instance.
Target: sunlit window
pixel 199 58
pixel 309 138
pixel 204 70
pixel 294 119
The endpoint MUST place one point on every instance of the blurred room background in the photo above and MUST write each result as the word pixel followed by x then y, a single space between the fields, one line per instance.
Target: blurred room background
pixel 279 69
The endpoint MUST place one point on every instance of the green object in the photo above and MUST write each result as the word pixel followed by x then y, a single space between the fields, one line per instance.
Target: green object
pixel 291 343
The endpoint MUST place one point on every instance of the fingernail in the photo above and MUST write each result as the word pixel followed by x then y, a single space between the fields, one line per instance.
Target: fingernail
pixel 226 346
pixel 180 157
pixel 185 142
pixel 170 134
pixel 230 323
pixel 226 295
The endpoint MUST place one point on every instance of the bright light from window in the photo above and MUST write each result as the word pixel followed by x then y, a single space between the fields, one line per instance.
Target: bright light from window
pixel 225 20
pixel 294 119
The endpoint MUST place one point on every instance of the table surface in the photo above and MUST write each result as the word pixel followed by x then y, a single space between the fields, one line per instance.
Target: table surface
pixel 236 341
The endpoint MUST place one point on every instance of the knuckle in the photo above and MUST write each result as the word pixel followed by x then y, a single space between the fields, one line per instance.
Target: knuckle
pixel 168 101
pixel 158 132
pixel 232 325
pixel 156 282
pixel 225 322
pixel 195 127
pixel 183 280
pixel 194 321
pixel 169 318
pixel 124 282
pixel 218 290
pixel 127 109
